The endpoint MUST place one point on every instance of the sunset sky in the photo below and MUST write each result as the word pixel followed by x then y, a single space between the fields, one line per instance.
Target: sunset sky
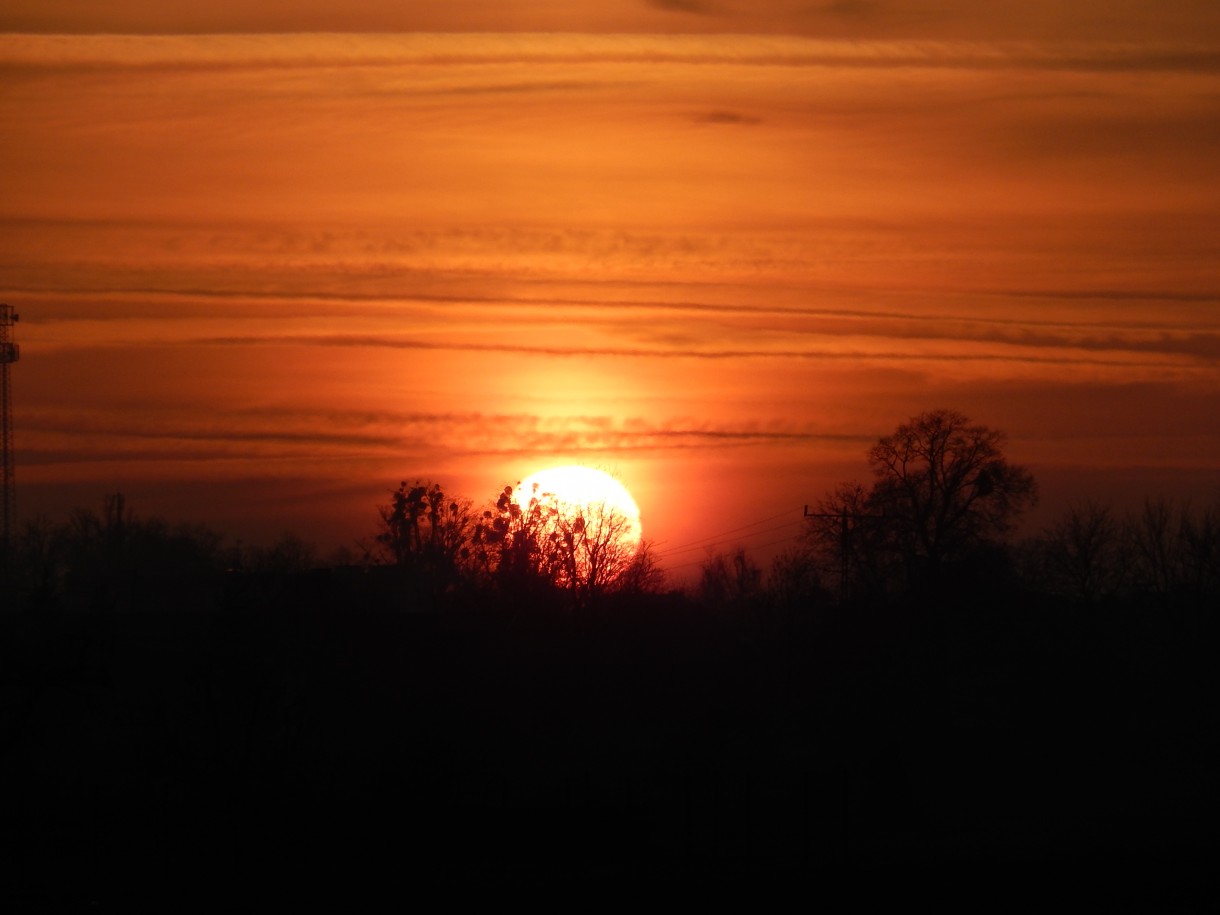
pixel 273 258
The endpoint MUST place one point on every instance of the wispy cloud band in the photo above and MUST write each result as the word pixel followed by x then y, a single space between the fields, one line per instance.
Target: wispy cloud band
pixel 1210 347
pixel 432 49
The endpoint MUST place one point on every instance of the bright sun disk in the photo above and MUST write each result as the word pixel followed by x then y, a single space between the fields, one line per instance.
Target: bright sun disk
pixel 586 490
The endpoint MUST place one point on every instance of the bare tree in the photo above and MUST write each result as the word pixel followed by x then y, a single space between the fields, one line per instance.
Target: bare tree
pixel 730 581
pixel 584 549
pixel 514 546
pixel 427 533
pixel 1156 557
pixel 793 581
pixel 942 489
pixel 1175 550
pixel 643 575
pixel 1200 539
pixel 1084 553
pixel 946 487
pixel 289 554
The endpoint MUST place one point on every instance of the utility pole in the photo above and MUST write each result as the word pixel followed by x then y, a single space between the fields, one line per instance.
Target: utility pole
pixel 843 516
pixel 9 353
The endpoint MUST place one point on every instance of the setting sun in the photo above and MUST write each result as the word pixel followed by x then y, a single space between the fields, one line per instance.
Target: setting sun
pixel 584 491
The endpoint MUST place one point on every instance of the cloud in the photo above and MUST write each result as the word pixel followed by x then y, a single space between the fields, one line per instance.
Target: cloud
pixel 612 326
pixel 295 434
pixel 726 117
pixel 699 7
pixel 253 51
pixel 711 354
pixel 850 18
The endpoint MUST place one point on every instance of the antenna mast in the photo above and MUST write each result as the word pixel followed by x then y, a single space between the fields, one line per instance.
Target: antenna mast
pixel 9 353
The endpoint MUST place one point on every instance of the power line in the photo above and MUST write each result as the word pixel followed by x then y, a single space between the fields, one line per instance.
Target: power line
pixel 684 547
pixel 757 546
pixel 724 539
pixel 842 516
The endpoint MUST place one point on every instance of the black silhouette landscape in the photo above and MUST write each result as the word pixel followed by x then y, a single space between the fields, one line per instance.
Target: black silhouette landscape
pixel 184 716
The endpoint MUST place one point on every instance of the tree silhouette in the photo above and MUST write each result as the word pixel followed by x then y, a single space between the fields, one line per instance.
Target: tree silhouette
pixel 515 546
pixel 793 582
pixel 730 581
pixel 583 549
pixel 643 574
pixel 597 546
pixel 428 534
pixel 1200 538
pixel 1084 553
pixel 942 489
pixel 1174 550
pixel 114 560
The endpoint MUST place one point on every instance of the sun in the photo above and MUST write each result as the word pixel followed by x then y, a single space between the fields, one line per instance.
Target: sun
pixel 589 493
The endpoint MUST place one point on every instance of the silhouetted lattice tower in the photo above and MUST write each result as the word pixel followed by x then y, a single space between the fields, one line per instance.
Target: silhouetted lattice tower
pixel 9 353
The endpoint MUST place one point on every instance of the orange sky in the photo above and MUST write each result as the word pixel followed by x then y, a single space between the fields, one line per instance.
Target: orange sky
pixel 265 276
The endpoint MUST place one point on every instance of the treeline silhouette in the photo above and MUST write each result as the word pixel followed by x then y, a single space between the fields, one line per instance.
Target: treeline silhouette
pixel 882 709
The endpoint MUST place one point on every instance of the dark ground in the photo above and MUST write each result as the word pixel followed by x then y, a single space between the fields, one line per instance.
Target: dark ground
pixel 296 745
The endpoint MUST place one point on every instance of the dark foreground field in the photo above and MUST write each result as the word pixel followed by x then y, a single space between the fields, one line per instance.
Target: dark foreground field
pixel 302 746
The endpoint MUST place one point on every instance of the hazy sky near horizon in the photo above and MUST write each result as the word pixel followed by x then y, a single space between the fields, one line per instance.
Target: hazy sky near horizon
pixel 717 248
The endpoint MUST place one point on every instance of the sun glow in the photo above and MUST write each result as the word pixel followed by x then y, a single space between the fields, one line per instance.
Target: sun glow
pixel 586 492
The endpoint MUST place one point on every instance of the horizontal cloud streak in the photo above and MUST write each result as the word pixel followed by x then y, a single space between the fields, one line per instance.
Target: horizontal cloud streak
pixel 336 50
pixel 659 353
pixel 678 328
pixel 291 434
pixel 172 303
